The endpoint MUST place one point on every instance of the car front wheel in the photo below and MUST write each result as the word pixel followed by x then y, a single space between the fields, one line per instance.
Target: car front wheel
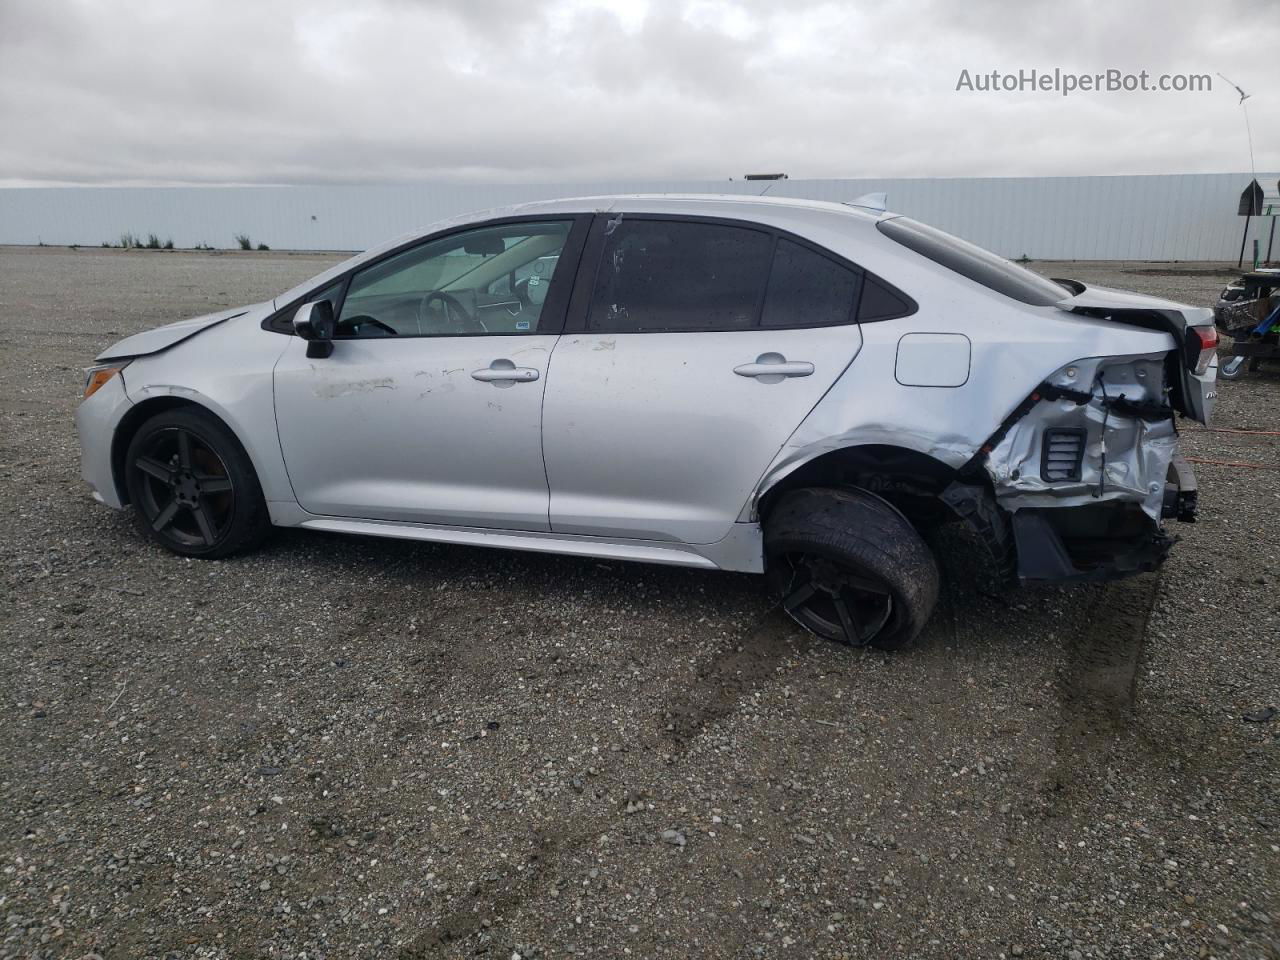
pixel 193 487
pixel 849 567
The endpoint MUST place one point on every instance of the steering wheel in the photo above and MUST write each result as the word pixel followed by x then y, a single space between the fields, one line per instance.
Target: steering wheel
pixel 521 290
pixel 452 306
pixel 364 320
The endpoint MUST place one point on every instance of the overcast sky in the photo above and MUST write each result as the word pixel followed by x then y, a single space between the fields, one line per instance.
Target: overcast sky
pixel 313 91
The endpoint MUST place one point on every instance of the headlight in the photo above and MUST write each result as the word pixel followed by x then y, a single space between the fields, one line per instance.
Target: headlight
pixel 96 377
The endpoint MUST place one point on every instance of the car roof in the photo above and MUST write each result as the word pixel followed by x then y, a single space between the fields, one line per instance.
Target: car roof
pixel 711 203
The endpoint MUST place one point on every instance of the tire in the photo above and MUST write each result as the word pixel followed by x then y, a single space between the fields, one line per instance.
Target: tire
pixel 192 486
pixel 828 549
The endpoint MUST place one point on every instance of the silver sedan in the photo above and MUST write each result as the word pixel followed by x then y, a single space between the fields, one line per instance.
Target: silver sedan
pixel 777 386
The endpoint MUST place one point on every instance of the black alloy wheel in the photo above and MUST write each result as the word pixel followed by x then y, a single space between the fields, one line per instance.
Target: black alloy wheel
pixel 187 494
pixel 193 487
pixel 848 566
pixel 835 600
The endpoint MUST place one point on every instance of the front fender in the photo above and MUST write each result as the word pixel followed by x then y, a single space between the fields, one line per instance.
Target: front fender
pixel 227 371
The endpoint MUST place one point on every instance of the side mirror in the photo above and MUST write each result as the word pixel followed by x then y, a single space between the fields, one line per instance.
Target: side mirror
pixel 315 323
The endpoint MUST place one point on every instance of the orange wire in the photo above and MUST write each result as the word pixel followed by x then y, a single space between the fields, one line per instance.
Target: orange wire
pixel 1232 463
pixel 1260 433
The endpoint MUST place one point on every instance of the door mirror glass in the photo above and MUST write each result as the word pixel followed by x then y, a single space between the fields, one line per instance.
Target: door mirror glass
pixel 314 322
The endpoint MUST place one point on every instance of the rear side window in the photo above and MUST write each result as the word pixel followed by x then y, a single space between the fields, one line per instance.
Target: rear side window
pixel 971 261
pixel 881 302
pixel 679 275
pixel 807 289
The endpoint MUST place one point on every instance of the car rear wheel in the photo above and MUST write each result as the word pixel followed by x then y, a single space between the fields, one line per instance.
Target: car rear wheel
pixel 192 486
pixel 849 567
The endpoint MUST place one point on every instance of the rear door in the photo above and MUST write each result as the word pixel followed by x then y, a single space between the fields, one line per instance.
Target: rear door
pixel 694 348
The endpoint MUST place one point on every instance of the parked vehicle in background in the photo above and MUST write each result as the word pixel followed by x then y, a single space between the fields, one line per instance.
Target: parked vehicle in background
pixel 775 386
pixel 1248 312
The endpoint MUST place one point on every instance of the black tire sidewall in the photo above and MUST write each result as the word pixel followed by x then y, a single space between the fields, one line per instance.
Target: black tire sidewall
pixel 908 569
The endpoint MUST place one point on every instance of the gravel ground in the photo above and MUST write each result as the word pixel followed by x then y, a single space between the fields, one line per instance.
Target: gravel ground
pixel 341 747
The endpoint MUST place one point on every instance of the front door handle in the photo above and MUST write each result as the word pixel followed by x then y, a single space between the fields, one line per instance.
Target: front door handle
pixel 504 373
pixel 774 368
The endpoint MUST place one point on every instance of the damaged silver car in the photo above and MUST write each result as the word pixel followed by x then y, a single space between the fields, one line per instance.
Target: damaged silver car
pixel 776 386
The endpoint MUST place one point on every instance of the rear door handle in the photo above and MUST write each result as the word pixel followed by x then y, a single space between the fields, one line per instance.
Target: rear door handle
pixel 504 373
pixel 774 368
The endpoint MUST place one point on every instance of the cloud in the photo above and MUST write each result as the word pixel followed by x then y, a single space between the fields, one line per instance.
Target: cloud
pixel 236 91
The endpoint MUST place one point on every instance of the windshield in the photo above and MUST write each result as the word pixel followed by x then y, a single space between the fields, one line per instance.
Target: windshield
pixel 971 261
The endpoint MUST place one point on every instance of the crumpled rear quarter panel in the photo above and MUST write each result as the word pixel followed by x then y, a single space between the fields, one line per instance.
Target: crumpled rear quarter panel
pixel 1125 458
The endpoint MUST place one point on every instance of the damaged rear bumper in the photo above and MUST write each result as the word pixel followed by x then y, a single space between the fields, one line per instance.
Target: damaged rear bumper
pixel 1099 542
pixel 1102 541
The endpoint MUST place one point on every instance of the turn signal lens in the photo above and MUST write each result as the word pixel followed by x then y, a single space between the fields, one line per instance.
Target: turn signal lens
pixel 96 377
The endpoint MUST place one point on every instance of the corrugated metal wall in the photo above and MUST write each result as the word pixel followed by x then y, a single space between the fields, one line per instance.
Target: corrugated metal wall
pixel 1175 217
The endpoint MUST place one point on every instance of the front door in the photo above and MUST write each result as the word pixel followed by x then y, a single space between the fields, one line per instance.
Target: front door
pixel 703 346
pixel 429 409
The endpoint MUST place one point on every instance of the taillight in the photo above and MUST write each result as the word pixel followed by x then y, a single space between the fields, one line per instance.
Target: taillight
pixel 1201 345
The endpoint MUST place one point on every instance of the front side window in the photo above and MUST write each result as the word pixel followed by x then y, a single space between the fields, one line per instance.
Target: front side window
pixel 673 275
pixel 487 280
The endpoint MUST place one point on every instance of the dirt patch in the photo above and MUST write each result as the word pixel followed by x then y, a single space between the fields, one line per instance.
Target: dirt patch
pixel 1098 680
pixel 721 682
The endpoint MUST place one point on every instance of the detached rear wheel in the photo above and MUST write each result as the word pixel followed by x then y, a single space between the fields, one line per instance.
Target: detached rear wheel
pixel 850 568
pixel 192 486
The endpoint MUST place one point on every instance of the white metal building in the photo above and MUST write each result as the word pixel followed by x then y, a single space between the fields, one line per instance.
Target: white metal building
pixel 1165 217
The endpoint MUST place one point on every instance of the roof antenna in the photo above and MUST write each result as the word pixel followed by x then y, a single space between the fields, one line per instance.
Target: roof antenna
pixel 878 202
pixel 1247 129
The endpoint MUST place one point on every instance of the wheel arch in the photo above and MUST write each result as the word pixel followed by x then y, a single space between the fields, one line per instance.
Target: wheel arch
pixel 139 414
pixel 908 479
